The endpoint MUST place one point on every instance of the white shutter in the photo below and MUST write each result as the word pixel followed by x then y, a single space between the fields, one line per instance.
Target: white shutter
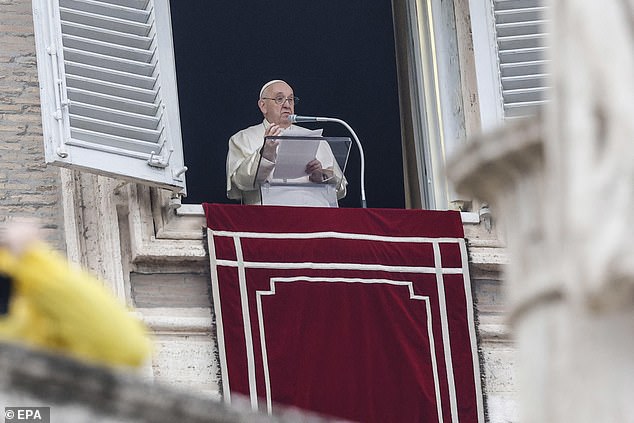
pixel 108 88
pixel 521 42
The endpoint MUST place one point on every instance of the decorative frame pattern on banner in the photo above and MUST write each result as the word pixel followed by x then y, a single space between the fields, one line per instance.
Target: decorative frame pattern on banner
pixel 356 313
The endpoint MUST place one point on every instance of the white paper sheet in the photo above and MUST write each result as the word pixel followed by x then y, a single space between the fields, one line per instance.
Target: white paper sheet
pixel 293 156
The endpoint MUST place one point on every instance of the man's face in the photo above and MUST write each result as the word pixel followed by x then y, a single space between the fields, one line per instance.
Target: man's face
pixel 273 112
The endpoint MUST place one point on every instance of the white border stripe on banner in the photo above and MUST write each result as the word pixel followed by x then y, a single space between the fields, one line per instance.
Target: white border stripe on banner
pixel 241 265
pixel 472 334
pixel 432 352
pixel 338 266
pixel 220 332
pixel 246 318
pixel 408 284
pixel 330 234
pixel 265 356
pixel 445 335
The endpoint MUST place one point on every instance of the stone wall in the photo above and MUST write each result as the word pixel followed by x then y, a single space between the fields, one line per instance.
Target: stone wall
pixel 27 186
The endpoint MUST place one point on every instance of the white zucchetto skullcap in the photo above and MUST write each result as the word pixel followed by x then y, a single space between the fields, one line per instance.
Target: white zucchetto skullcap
pixel 268 84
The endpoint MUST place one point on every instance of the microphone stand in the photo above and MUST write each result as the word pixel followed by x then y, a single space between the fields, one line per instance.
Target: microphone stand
pixel 297 118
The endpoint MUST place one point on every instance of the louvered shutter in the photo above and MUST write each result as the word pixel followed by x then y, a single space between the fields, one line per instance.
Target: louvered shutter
pixel 520 31
pixel 108 88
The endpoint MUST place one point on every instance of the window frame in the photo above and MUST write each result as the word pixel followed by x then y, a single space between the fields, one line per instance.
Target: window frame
pixel 158 219
pixel 432 92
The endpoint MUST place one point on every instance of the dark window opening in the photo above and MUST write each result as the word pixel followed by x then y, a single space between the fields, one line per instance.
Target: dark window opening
pixel 338 56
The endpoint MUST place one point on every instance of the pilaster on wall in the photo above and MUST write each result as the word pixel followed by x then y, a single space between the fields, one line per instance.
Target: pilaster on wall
pixel 113 226
pixel 90 205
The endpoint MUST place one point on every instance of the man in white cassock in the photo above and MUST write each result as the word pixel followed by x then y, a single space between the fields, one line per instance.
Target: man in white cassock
pixel 251 161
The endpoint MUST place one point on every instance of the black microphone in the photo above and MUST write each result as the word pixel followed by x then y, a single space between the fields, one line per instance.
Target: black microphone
pixel 297 118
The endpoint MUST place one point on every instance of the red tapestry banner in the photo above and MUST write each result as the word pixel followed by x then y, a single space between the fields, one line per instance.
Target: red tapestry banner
pixel 360 314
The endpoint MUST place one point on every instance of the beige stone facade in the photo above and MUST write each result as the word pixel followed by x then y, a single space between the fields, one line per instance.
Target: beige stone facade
pixel 154 259
pixel 27 186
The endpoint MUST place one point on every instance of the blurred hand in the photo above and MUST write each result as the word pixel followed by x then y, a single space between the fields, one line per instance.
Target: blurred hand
pixel 18 234
pixel 269 150
pixel 315 171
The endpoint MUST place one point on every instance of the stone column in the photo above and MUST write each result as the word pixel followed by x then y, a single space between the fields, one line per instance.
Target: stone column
pixel 565 191
pixel 589 148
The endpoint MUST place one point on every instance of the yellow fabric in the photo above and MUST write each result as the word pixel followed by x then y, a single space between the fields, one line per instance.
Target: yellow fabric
pixel 63 308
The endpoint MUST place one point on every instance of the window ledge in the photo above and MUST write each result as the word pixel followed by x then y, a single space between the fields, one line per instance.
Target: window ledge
pixel 487 252
pixel 196 210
